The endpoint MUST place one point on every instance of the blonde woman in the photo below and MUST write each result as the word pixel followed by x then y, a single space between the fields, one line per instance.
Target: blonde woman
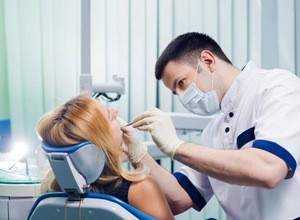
pixel 86 119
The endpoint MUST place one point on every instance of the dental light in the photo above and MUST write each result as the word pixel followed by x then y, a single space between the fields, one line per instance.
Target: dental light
pixel 18 151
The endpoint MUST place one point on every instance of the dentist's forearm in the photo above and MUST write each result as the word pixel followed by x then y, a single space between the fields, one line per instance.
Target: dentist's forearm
pixel 247 167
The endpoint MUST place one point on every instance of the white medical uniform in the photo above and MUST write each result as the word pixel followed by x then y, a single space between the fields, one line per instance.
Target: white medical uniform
pixel 261 109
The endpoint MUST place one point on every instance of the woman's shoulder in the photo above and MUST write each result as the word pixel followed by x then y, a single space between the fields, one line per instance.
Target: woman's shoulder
pixel 146 189
pixel 147 196
pixel 146 185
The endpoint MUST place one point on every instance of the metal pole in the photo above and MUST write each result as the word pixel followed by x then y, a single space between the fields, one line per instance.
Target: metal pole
pixel 86 84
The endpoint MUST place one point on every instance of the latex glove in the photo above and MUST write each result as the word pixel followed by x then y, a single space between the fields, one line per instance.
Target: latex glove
pixel 135 148
pixel 162 130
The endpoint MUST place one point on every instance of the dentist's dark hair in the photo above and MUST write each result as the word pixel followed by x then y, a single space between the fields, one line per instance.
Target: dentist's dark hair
pixel 186 48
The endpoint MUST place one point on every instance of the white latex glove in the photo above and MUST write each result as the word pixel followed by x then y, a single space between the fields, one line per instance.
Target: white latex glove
pixel 162 130
pixel 135 148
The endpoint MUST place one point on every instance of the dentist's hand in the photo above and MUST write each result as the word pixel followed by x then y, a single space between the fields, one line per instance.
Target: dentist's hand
pixel 135 148
pixel 162 130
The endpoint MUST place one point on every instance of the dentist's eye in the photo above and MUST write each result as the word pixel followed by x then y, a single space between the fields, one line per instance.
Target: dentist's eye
pixel 181 83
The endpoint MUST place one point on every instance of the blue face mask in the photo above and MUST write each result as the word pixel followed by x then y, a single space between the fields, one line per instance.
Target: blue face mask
pixel 198 102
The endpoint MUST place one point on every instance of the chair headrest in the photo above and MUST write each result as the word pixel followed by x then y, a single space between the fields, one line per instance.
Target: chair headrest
pixel 82 163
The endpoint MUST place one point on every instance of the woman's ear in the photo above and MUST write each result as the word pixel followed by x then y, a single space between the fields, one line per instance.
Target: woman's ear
pixel 208 59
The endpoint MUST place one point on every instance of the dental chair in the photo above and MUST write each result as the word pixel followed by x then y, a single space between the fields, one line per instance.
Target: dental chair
pixel 75 168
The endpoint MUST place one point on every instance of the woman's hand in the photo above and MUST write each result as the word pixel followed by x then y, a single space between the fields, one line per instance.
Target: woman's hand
pixel 134 147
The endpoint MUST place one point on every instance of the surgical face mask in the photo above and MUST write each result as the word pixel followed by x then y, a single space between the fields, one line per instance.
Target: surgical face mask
pixel 198 102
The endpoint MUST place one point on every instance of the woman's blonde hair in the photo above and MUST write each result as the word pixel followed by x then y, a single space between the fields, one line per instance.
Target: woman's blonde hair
pixel 80 119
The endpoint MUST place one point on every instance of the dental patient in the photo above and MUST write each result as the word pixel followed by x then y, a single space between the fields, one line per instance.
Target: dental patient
pixel 86 119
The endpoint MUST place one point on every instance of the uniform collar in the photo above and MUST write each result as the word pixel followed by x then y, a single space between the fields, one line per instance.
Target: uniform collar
pixel 236 89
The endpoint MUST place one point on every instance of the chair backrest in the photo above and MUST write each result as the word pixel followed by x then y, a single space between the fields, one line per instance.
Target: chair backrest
pixel 75 168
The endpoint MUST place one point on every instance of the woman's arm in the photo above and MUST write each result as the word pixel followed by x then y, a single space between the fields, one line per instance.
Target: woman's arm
pixel 147 196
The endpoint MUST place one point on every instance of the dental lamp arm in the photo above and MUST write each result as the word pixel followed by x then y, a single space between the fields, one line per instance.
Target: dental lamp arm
pixel 102 89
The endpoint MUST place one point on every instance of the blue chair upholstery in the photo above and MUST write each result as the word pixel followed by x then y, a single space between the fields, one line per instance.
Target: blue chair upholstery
pixel 69 165
pixel 56 206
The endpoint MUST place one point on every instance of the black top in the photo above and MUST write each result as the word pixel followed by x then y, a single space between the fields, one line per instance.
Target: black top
pixel 117 188
pixel 122 192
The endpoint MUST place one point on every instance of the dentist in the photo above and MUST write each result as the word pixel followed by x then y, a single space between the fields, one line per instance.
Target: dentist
pixel 251 149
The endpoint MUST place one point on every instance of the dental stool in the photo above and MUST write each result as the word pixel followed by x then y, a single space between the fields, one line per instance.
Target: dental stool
pixel 75 168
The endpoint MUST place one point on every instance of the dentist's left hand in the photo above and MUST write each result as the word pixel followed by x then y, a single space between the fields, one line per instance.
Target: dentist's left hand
pixel 162 130
pixel 135 148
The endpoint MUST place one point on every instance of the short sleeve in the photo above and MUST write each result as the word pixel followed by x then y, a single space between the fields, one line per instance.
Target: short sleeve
pixel 196 185
pixel 277 118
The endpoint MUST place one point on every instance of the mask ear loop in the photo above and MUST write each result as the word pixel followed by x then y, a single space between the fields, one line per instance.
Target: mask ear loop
pixel 196 72
pixel 212 81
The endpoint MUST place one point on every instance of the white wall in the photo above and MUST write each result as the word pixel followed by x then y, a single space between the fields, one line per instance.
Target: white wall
pixel 43 50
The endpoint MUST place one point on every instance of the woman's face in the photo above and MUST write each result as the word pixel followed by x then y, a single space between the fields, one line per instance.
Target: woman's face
pixel 111 114
pixel 115 125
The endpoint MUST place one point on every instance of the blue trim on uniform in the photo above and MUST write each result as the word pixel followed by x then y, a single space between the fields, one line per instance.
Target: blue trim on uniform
pixel 191 190
pixel 65 149
pixel 245 137
pixel 278 150
pixel 137 213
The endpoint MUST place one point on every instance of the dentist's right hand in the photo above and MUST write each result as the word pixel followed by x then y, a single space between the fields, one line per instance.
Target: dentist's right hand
pixel 162 130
